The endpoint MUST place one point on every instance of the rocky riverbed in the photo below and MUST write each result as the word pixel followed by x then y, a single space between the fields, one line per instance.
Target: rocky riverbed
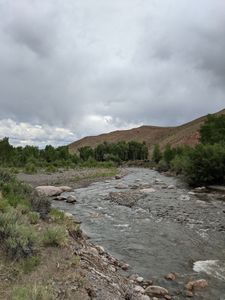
pixel 158 226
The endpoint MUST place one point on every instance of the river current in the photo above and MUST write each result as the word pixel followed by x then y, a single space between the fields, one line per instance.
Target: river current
pixel 166 229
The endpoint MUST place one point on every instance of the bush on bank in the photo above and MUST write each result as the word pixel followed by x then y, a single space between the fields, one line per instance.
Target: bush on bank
pixel 202 165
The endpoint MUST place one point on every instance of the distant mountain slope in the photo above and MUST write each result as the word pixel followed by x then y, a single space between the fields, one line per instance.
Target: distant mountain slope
pixel 180 135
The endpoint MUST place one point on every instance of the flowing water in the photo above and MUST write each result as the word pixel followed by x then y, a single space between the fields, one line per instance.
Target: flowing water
pixel 165 229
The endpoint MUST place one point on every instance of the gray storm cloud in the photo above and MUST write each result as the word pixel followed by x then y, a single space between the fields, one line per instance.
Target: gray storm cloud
pixel 94 66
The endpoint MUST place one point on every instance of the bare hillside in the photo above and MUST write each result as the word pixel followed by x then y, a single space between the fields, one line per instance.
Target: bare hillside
pixel 180 135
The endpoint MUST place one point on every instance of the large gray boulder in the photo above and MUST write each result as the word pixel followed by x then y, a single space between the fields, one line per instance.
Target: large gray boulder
pixel 50 190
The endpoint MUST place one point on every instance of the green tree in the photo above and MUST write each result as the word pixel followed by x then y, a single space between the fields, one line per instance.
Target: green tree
pixel 86 152
pixel 213 130
pixel 156 155
pixel 168 154
pixel 206 165
pixel 6 150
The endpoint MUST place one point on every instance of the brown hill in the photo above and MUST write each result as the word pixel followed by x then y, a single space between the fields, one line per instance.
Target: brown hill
pixel 180 135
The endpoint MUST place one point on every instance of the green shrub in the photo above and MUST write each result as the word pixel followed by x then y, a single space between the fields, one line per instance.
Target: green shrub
pixel 40 204
pixel 21 242
pixel 5 176
pixel 162 166
pixel 178 164
pixel 55 236
pixel 15 187
pixel 51 169
pixel 156 155
pixel 30 168
pixel 17 200
pixel 57 215
pixel 35 292
pixel 206 165
pixel 213 130
pixel 33 217
pixel 29 264
pixel 17 237
pixel 3 205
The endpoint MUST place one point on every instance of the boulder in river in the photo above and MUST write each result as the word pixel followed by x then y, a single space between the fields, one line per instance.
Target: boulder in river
pixel 155 290
pixel 71 199
pixel 196 284
pixel 48 190
pixel 65 188
pixel 118 177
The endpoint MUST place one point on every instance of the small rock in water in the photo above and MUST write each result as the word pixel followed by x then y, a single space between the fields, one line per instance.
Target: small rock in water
pixel 125 267
pixel 118 177
pixel 171 187
pixel 191 193
pixel 200 189
pixel 196 284
pixel 184 198
pixel 139 279
pixel 158 181
pixel 170 276
pixel 121 186
pixel 189 294
pixel 71 199
pixel 149 190
pixel 60 198
pixel 155 290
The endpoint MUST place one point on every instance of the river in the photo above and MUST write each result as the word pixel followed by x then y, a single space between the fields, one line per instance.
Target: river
pixel 157 225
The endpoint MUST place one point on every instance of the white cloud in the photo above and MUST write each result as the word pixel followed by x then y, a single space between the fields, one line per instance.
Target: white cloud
pixel 21 134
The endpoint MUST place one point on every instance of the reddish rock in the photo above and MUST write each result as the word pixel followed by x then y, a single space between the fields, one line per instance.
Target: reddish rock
pixel 196 284
pixel 171 276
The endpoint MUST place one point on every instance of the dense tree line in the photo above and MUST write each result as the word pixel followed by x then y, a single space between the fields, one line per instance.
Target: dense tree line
pixel 202 165
pixel 118 152
pixel 29 156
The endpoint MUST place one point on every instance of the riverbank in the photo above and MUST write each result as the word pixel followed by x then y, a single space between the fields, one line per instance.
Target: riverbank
pixel 74 177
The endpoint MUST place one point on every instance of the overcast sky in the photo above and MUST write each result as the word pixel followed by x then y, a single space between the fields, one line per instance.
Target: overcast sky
pixel 81 67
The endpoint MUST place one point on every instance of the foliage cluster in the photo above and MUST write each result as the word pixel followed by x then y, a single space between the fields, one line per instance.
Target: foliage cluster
pixel 202 165
pixel 116 152
pixel 31 158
